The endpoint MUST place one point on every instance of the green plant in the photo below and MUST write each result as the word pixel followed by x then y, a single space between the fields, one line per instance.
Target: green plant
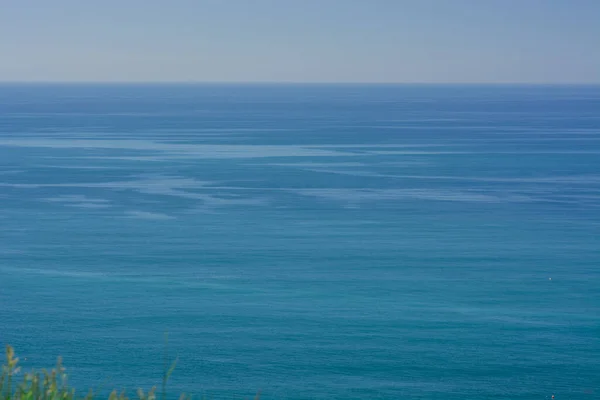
pixel 52 384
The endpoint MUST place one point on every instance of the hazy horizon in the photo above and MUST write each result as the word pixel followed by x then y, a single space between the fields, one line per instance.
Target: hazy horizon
pixel 295 83
pixel 285 42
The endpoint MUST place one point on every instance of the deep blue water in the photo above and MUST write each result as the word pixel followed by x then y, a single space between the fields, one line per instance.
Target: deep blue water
pixel 419 242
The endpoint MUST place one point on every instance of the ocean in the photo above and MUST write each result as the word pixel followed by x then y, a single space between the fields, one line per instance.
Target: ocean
pixel 305 241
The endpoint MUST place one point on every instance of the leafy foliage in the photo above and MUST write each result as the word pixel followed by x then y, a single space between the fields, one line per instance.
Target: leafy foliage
pixel 52 384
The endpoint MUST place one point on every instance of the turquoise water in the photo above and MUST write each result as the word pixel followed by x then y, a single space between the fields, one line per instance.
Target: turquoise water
pixel 421 242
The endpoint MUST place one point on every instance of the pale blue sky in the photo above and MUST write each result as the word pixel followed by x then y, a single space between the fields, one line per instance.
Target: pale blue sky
pixel 533 41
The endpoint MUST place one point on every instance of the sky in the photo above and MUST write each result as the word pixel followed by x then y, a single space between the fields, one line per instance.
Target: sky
pixel 379 41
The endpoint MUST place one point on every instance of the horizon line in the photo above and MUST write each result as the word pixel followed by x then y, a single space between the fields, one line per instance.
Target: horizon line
pixel 313 83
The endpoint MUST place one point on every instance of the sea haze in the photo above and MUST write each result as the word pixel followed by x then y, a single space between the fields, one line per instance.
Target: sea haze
pixel 307 241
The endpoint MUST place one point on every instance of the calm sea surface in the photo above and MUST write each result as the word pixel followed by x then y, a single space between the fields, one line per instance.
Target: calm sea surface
pixel 343 242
